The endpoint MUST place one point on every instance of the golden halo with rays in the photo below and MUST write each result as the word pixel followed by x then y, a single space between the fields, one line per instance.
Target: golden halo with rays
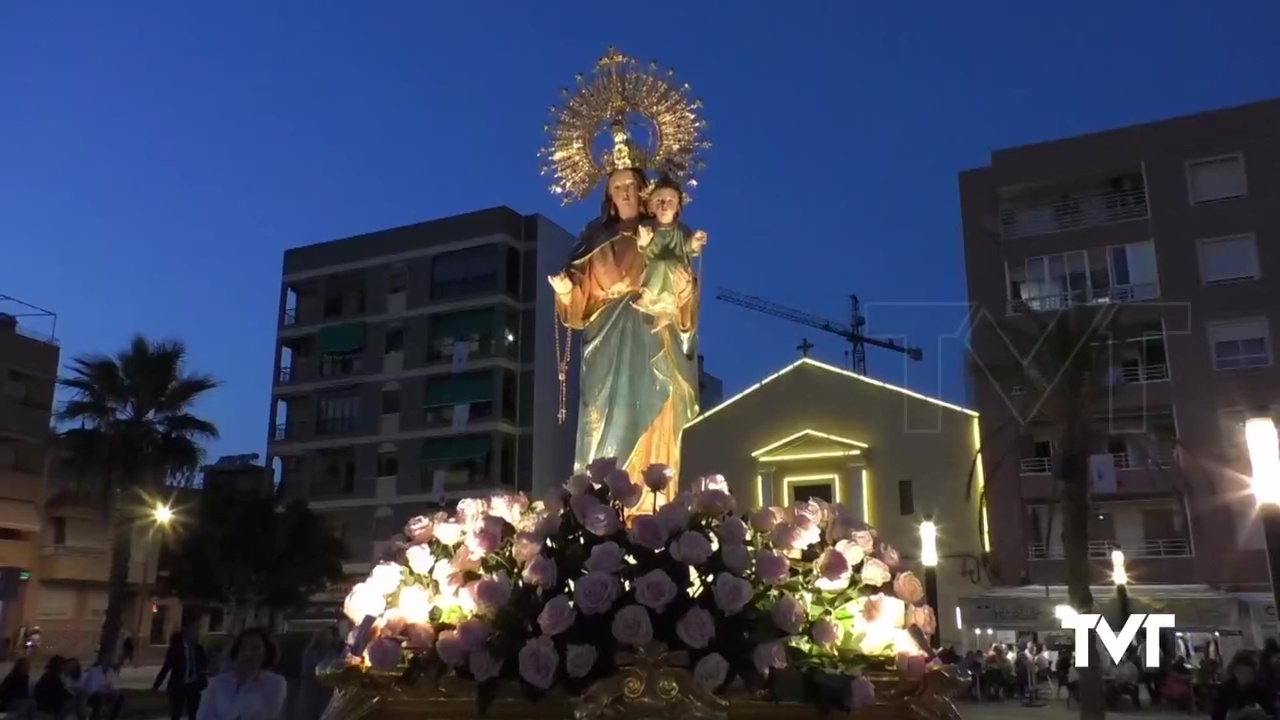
pixel 619 86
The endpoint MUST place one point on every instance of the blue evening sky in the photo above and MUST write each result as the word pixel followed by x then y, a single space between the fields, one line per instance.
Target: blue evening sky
pixel 157 157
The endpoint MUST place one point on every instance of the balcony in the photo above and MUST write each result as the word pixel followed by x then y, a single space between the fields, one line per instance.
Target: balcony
pixel 1082 211
pixel 1035 466
pixel 1163 458
pixel 22 419
pixel 290 317
pixel 17 553
pixel 1101 549
pixel 284 376
pixel 89 563
pixel 1139 374
pixel 1079 298
pixel 289 431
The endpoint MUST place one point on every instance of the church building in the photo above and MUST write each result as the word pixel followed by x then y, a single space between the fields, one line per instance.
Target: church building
pixel 890 455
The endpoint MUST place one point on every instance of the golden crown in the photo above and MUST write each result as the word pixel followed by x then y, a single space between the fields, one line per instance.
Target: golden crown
pixel 619 88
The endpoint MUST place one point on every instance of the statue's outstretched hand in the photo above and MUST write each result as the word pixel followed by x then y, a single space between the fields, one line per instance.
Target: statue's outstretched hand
pixel 561 283
pixel 644 236
pixel 698 241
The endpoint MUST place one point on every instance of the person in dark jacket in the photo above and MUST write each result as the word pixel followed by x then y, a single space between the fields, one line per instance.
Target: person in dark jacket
pixel 51 694
pixel 1243 694
pixel 15 690
pixel 187 668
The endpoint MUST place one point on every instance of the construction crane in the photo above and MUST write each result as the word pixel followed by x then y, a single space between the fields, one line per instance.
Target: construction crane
pixel 852 332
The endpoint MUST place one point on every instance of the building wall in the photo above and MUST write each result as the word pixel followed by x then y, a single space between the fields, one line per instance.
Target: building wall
pixel 906 438
pixel 1209 474
pixel 381 287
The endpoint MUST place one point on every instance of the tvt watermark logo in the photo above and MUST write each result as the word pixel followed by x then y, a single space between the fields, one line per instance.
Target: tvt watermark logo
pixel 1115 644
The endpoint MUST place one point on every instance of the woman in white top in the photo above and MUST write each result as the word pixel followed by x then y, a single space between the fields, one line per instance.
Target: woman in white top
pixel 247 690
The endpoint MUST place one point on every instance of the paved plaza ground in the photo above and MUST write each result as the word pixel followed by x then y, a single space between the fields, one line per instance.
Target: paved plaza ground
pixel 1057 710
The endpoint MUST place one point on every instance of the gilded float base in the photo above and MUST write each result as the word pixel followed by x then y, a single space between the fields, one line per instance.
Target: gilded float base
pixel 360 695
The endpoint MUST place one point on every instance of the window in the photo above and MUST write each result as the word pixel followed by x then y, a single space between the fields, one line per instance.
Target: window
pixel 390 402
pixel 906 498
pixel 466 272
pixel 395 341
pixel 339 476
pixel 339 364
pixel 398 279
pixel 388 464
pixel 1050 282
pixel 332 306
pixel 336 414
pixel 1218 178
pixel 1132 272
pixel 514 276
pixel 59 525
pixel 1239 343
pixel 1228 259
pixel 824 491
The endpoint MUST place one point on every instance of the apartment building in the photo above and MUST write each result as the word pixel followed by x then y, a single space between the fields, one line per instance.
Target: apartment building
pixel 416 366
pixel 1175 222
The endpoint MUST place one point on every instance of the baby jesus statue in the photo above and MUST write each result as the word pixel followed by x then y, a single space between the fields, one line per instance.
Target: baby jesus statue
pixel 668 246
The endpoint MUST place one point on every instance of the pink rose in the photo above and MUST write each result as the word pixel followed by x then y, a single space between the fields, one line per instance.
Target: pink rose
pixel 621 489
pixel 731 593
pixel 420 635
pixel 715 503
pixel 772 568
pixel 483 665
pixel 769 656
pixel 732 531
pixel 736 558
pixel 557 616
pixel 465 560
pixel 788 615
pixel 711 671
pixel 691 548
pixel 923 618
pixel 579 659
pixel 448 533
pixel 658 476
pixel 863 693
pixel 807 513
pixel 493 592
pixel 602 521
pixel 420 559
pixel 711 482
pixel 471 511
pixel 606 557
pixel 908 587
pixel 825 632
pixel 886 609
pixel 473 633
pixel 851 551
pixel 764 519
pixel 674 518
pixel 582 505
pixel 595 592
pixel 865 539
pixel 482 542
pixel 578 485
pixel 631 626
pixel 647 532
pixel 840 524
pixel 418 529
pixel 383 654
pixel 526 547
pixel 508 505
pixel 548 524
pixel 600 468
pixel 539 662
pixel 655 589
pixel 889 556
pixel 696 628
pixel 874 572
pixel 541 572
pixel 833 571
pixel 788 537
pixel 450 648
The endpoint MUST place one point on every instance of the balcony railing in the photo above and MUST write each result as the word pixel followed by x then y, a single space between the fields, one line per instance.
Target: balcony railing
pixel 1035 466
pixel 1073 213
pixel 1101 549
pixel 1132 374
pixel 284 376
pixel 290 317
pixel 1092 296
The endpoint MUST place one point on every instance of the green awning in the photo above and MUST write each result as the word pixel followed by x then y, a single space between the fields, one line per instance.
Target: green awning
pixel 461 325
pixel 459 389
pixel 456 449
pixel 341 339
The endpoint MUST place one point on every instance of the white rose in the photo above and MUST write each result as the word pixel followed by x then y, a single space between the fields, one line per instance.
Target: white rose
pixel 420 559
pixel 386 578
pixel 364 601
pixel 711 671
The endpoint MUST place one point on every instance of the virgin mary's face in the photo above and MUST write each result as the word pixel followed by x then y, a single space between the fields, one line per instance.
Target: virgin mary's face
pixel 624 191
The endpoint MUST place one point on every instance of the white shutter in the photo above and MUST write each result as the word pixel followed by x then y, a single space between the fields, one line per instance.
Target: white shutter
pixel 1216 179
pixel 1227 259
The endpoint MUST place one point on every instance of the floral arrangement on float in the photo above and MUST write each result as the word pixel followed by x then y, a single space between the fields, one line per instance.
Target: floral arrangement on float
pixel 557 596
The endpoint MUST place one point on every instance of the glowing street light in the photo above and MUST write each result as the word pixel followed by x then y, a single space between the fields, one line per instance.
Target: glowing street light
pixel 1063 612
pixel 162 513
pixel 1264 456
pixel 1118 574
pixel 929 558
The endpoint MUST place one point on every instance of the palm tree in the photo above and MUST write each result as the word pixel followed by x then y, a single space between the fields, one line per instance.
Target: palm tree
pixel 134 432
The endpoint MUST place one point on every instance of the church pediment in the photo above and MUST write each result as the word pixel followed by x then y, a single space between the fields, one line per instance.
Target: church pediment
pixel 809 444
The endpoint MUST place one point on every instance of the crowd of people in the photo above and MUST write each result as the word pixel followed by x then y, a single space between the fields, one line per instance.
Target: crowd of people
pixel 241 687
pixel 1247 688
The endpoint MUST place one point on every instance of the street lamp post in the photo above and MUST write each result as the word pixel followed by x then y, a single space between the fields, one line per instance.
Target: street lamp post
pixel 161 515
pixel 1264 457
pixel 929 558
pixel 1120 577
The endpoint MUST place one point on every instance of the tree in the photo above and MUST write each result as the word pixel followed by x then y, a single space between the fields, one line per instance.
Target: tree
pixel 135 431
pixel 1064 362
pixel 250 550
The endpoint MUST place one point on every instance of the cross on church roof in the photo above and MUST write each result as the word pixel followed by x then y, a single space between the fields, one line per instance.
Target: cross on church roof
pixel 804 347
